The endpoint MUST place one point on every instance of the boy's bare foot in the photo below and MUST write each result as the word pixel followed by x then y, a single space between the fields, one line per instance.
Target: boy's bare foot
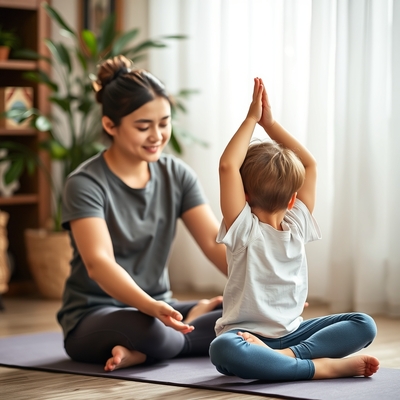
pixel 253 339
pixel 123 358
pixel 359 365
pixel 202 307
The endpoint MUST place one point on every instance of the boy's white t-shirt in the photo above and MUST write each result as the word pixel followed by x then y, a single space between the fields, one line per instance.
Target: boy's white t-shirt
pixel 267 272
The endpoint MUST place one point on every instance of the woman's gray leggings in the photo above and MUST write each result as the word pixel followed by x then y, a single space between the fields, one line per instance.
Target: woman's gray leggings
pixel 101 330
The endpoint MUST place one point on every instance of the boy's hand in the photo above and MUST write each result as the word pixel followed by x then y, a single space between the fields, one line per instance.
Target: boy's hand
pixel 266 120
pixel 255 110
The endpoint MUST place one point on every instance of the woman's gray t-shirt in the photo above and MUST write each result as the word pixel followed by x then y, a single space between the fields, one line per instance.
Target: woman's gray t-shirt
pixel 141 222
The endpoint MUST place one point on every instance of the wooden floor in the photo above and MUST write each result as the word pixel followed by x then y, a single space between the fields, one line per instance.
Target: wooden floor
pixel 28 315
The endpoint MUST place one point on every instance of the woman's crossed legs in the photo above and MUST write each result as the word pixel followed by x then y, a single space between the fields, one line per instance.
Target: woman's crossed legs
pixel 122 337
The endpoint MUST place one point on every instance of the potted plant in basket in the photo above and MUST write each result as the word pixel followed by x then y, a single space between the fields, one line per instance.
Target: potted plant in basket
pixel 75 138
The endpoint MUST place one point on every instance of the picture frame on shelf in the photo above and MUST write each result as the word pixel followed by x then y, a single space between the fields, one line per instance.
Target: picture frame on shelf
pixel 93 12
pixel 15 97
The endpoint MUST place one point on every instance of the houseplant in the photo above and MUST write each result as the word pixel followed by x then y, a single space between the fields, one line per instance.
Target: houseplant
pixel 72 96
pixel 8 40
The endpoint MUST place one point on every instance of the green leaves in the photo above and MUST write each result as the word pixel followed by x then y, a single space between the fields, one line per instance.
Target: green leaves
pixel 63 102
pixel 8 38
pixel 60 54
pixel 14 171
pixel 42 123
pixel 20 157
pixel 173 141
pixel 56 150
pixel 53 14
pixel 107 33
pixel 30 55
pixel 90 41
pixel 121 42
pixel 41 77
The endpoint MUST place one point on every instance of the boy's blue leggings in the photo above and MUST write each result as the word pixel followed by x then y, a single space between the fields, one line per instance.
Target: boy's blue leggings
pixel 333 336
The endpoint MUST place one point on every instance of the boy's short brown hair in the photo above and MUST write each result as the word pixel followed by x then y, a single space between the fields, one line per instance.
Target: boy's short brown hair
pixel 271 174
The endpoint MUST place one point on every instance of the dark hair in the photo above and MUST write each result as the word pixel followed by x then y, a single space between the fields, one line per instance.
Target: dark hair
pixel 271 174
pixel 121 88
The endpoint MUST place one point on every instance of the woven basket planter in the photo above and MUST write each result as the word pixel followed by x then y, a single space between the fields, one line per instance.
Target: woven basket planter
pixel 49 254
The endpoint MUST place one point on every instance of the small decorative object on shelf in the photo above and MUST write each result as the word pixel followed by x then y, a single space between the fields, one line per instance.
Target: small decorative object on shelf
pixel 14 97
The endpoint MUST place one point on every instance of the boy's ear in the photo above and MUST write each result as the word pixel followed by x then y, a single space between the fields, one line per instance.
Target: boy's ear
pixel 292 200
pixel 247 197
pixel 108 125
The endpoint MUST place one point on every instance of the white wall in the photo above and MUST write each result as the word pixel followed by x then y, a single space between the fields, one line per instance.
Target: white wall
pixel 135 15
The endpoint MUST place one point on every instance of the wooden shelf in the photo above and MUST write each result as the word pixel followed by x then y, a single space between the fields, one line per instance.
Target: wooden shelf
pixel 30 206
pixel 21 65
pixel 24 4
pixel 18 132
pixel 19 199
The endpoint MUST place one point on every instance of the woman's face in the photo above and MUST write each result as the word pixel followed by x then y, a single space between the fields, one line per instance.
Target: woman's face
pixel 144 133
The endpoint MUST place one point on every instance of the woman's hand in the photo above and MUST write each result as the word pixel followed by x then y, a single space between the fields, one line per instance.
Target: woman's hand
pixel 170 317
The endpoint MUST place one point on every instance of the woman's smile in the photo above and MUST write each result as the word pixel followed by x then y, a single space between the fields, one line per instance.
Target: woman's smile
pixel 152 149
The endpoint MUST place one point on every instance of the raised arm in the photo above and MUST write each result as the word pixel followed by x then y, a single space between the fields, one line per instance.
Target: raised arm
pixel 232 195
pixel 277 133
pixel 94 244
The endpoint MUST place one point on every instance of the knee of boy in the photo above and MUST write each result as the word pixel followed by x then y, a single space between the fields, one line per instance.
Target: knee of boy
pixel 369 326
pixel 221 350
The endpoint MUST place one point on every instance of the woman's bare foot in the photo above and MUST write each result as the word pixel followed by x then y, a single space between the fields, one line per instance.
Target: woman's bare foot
pixel 202 307
pixel 359 365
pixel 253 339
pixel 123 358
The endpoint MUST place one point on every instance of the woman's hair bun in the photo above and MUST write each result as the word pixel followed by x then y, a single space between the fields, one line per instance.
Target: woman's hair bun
pixel 109 70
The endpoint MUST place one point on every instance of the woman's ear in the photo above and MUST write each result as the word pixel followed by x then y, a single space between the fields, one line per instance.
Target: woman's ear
pixel 292 201
pixel 108 125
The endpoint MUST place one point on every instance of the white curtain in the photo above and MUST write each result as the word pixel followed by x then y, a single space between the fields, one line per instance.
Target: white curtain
pixel 332 71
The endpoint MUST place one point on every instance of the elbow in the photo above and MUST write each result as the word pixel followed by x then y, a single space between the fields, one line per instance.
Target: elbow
pixel 91 271
pixel 92 268
pixel 314 163
pixel 311 165
pixel 224 167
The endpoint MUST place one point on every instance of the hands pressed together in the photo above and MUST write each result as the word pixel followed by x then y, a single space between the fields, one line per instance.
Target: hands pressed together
pixel 260 108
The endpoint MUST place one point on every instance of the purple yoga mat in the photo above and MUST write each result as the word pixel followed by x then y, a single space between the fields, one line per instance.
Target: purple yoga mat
pixel 45 352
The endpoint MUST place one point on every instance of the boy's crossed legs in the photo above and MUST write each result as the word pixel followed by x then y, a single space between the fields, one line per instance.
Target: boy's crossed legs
pixel 314 351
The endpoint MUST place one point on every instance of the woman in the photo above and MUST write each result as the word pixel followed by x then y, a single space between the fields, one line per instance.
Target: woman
pixel 121 208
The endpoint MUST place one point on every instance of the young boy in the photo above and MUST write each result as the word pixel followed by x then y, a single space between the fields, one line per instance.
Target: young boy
pixel 267 199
